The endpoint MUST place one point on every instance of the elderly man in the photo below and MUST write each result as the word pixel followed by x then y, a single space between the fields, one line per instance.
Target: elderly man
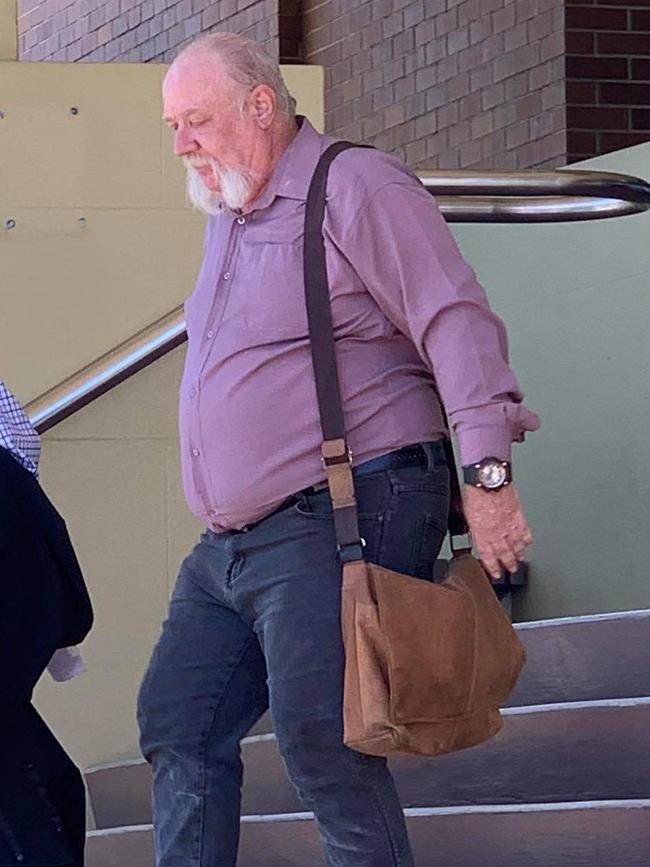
pixel 255 616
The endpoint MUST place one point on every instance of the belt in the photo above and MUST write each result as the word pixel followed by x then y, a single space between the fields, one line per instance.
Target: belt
pixel 407 456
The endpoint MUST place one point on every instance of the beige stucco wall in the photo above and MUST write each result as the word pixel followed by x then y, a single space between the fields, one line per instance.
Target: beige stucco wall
pixel 113 472
pixel 103 242
pixel 8 30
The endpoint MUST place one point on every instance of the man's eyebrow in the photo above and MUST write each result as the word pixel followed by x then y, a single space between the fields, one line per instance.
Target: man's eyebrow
pixel 187 111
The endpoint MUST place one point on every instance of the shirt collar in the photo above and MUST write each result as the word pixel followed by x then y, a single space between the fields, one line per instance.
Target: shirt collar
pixel 293 171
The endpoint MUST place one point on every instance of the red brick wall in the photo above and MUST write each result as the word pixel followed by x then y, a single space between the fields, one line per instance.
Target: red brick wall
pixel 444 83
pixel 135 30
pixel 608 75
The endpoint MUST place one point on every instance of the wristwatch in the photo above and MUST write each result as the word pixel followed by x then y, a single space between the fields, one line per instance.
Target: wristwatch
pixel 491 474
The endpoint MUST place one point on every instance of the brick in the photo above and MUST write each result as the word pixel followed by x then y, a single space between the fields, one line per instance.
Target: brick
pixel 590 18
pixel 458 86
pixel 449 160
pixel 480 30
pixel 597 117
pixel 404 87
pixel 480 78
pixel 581 92
pixel 540 76
pixel 447 69
pixel 436 97
pixel 494 143
pixel 471 153
pixel 503 115
pixel 404 43
pixel 415 152
pixel 372 125
pixel 415 60
pixel 625 94
pixel 482 125
pixel 393 116
pixel 457 40
pixel 516 86
pixel 446 22
pixel 516 37
pixel 469 106
pixel 611 141
pixel 435 51
pixel 552 46
pixel 414 106
pixel 460 133
pixel 468 12
pixel 425 31
pixel 426 125
pixel 382 97
pixel 597 67
pixel 493 96
pixel 426 78
pixel 488 6
pixel 640 19
pixel 641 70
pixel 528 106
pixel 470 59
pixel 492 48
pixel 517 134
pixel 448 115
pixel 503 19
pixel 622 43
pixel 553 95
pixel 579 141
pixel 580 43
pixel 640 119
pixel 526 9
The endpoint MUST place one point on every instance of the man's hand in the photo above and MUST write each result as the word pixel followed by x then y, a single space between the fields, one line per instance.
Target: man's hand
pixel 498 527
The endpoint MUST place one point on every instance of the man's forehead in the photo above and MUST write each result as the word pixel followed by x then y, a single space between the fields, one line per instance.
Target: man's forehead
pixel 194 81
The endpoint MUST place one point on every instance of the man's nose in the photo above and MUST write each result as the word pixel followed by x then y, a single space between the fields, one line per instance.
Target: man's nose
pixel 184 142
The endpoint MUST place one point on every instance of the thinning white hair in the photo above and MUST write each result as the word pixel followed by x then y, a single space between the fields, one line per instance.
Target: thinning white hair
pixel 248 64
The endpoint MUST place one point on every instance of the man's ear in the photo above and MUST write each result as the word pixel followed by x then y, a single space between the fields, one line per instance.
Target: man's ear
pixel 262 101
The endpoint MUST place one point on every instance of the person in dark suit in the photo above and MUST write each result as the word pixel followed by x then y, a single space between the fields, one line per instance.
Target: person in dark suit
pixel 44 610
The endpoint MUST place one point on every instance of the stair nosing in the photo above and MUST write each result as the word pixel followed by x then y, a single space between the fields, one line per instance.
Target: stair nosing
pixel 415 812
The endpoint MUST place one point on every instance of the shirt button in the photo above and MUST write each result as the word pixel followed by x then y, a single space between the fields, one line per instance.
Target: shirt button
pixel 210 334
pixel 196 452
pixel 241 221
pixel 226 276
pixel 193 391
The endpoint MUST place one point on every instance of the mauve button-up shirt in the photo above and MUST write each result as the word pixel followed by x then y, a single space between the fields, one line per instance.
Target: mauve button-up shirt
pixel 405 307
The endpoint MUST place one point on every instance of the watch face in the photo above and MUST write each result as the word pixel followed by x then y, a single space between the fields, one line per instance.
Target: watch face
pixel 492 474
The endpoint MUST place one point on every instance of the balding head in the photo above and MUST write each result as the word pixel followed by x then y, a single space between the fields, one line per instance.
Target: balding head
pixel 233 117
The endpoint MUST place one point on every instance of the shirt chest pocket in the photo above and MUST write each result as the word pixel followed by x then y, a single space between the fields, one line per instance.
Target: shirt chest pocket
pixel 269 294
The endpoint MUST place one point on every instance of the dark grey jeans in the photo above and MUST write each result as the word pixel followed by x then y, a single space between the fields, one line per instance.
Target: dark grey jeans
pixel 255 619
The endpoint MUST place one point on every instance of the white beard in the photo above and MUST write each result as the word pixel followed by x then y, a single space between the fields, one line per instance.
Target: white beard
pixel 236 187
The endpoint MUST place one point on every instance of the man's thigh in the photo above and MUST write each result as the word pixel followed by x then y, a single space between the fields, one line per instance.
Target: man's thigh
pixel 207 674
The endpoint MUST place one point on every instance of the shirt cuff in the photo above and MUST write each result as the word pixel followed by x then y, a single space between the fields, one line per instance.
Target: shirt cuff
pixel 489 431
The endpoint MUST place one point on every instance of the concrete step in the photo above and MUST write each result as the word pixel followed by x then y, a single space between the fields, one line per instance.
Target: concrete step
pixel 585 658
pixel 576 659
pixel 561 752
pixel 581 834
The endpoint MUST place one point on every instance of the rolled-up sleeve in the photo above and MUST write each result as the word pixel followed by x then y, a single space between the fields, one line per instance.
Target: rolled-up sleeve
pixel 402 249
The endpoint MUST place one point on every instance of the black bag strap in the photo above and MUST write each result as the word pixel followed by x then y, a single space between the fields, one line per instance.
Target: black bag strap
pixel 336 454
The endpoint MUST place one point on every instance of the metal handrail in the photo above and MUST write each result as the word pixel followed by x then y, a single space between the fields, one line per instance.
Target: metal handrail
pixel 463 196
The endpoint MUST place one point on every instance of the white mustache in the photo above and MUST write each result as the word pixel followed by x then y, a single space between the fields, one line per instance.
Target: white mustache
pixel 197 162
